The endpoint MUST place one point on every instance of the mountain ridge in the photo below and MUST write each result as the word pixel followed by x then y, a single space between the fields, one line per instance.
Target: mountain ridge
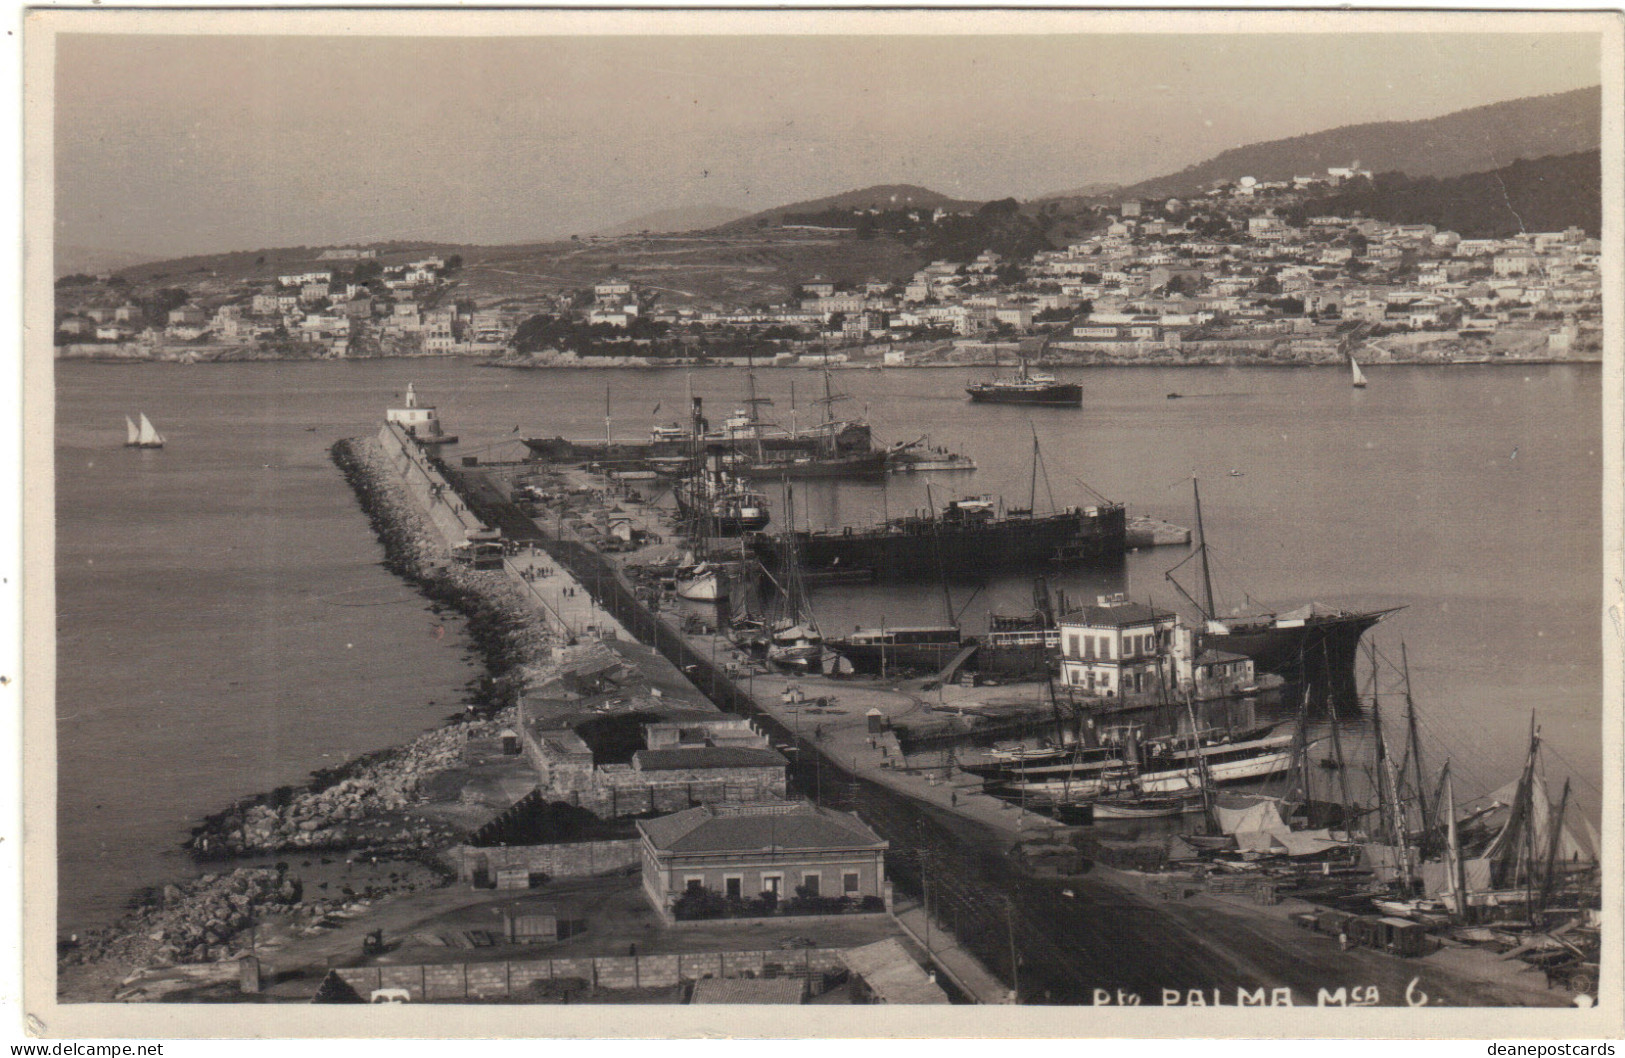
pixel 1477 139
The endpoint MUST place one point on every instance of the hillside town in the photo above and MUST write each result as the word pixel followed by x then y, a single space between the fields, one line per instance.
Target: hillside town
pixel 1237 275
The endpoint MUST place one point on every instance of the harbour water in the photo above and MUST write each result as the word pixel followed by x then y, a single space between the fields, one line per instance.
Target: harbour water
pixel 225 627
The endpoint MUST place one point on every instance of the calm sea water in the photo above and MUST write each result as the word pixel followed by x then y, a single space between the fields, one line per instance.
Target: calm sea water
pixel 225 626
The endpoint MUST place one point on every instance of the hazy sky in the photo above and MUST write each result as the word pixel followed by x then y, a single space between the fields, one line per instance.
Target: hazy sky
pixel 174 145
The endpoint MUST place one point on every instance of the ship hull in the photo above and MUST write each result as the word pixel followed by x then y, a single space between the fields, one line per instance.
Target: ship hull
pixel 871 659
pixel 1062 394
pixel 923 548
pixel 870 465
pixel 852 438
pixel 728 521
pixel 1319 654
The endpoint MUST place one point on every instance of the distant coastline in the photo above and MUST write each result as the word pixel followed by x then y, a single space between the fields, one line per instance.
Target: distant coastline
pixel 605 364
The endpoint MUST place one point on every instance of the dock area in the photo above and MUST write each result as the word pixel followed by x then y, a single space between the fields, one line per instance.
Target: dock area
pixel 978 861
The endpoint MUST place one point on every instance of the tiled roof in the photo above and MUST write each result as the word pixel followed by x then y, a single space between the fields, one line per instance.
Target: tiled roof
pixel 694 758
pixel 804 827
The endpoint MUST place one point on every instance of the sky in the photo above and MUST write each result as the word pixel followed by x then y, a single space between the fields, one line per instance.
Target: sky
pixel 171 145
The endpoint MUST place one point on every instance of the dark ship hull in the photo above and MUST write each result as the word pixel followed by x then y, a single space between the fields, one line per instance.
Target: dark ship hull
pixel 925 547
pixel 852 438
pixel 1319 652
pixel 920 650
pixel 1065 394
pixel 857 465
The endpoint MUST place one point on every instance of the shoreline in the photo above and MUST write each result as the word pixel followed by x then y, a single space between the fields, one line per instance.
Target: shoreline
pixel 865 365
pixel 365 805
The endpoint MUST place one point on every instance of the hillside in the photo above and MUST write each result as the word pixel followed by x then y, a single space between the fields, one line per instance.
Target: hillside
pixel 1468 141
pixel 1098 189
pixel 68 260
pixel 665 221
pixel 1547 194
pixel 881 196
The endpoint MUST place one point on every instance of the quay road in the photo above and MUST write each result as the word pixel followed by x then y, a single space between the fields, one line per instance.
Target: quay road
pixel 1073 940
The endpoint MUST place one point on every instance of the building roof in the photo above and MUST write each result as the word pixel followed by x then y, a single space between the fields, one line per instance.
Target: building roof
pixel 891 974
pixel 749 990
pixel 783 826
pixel 1119 616
pixel 695 758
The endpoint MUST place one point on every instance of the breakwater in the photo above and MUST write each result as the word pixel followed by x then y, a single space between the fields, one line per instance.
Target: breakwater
pixel 362 804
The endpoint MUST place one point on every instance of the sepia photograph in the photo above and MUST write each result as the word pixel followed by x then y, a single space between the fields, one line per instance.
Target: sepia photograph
pixel 1111 514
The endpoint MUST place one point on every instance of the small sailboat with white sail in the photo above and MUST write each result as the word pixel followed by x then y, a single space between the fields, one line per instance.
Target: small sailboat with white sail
pixel 144 436
pixel 1359 376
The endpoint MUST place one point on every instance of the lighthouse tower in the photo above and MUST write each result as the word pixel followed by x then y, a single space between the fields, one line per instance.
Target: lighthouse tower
pixel 419 420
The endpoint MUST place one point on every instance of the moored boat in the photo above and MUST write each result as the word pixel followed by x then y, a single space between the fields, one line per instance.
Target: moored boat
pixel 1025 387
pixel 883 651
pixel 1313 644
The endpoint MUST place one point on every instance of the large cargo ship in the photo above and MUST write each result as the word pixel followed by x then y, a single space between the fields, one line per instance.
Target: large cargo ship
pixel 964 535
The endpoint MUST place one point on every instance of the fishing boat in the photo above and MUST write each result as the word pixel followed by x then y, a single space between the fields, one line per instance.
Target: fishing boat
pixel 1025 387
pixel 144 436
pixel 1141 806
pixel 701 582
pixel 1311 644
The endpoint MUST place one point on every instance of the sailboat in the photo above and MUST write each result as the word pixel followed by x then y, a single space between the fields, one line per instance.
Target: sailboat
pixel 1359 376
pixel 794 641
pixel 1312 644
pixel 830 457
pixel 698 580
pixel 144 436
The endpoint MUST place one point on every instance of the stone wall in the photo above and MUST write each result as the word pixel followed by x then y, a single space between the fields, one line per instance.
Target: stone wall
pixel 581 859
pixel 452 982
pixel 428 489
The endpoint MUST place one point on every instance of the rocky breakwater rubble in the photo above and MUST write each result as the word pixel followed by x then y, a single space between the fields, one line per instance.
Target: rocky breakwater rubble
pixel 364 804
pixel 358 831
pixel 204 920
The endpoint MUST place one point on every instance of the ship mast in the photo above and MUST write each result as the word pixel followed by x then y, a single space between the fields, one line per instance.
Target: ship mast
pixel 1032 481
pixel 942 572
pixel 752 401
pixel 1458 870
pixel 1415 743
pixel 1201 535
